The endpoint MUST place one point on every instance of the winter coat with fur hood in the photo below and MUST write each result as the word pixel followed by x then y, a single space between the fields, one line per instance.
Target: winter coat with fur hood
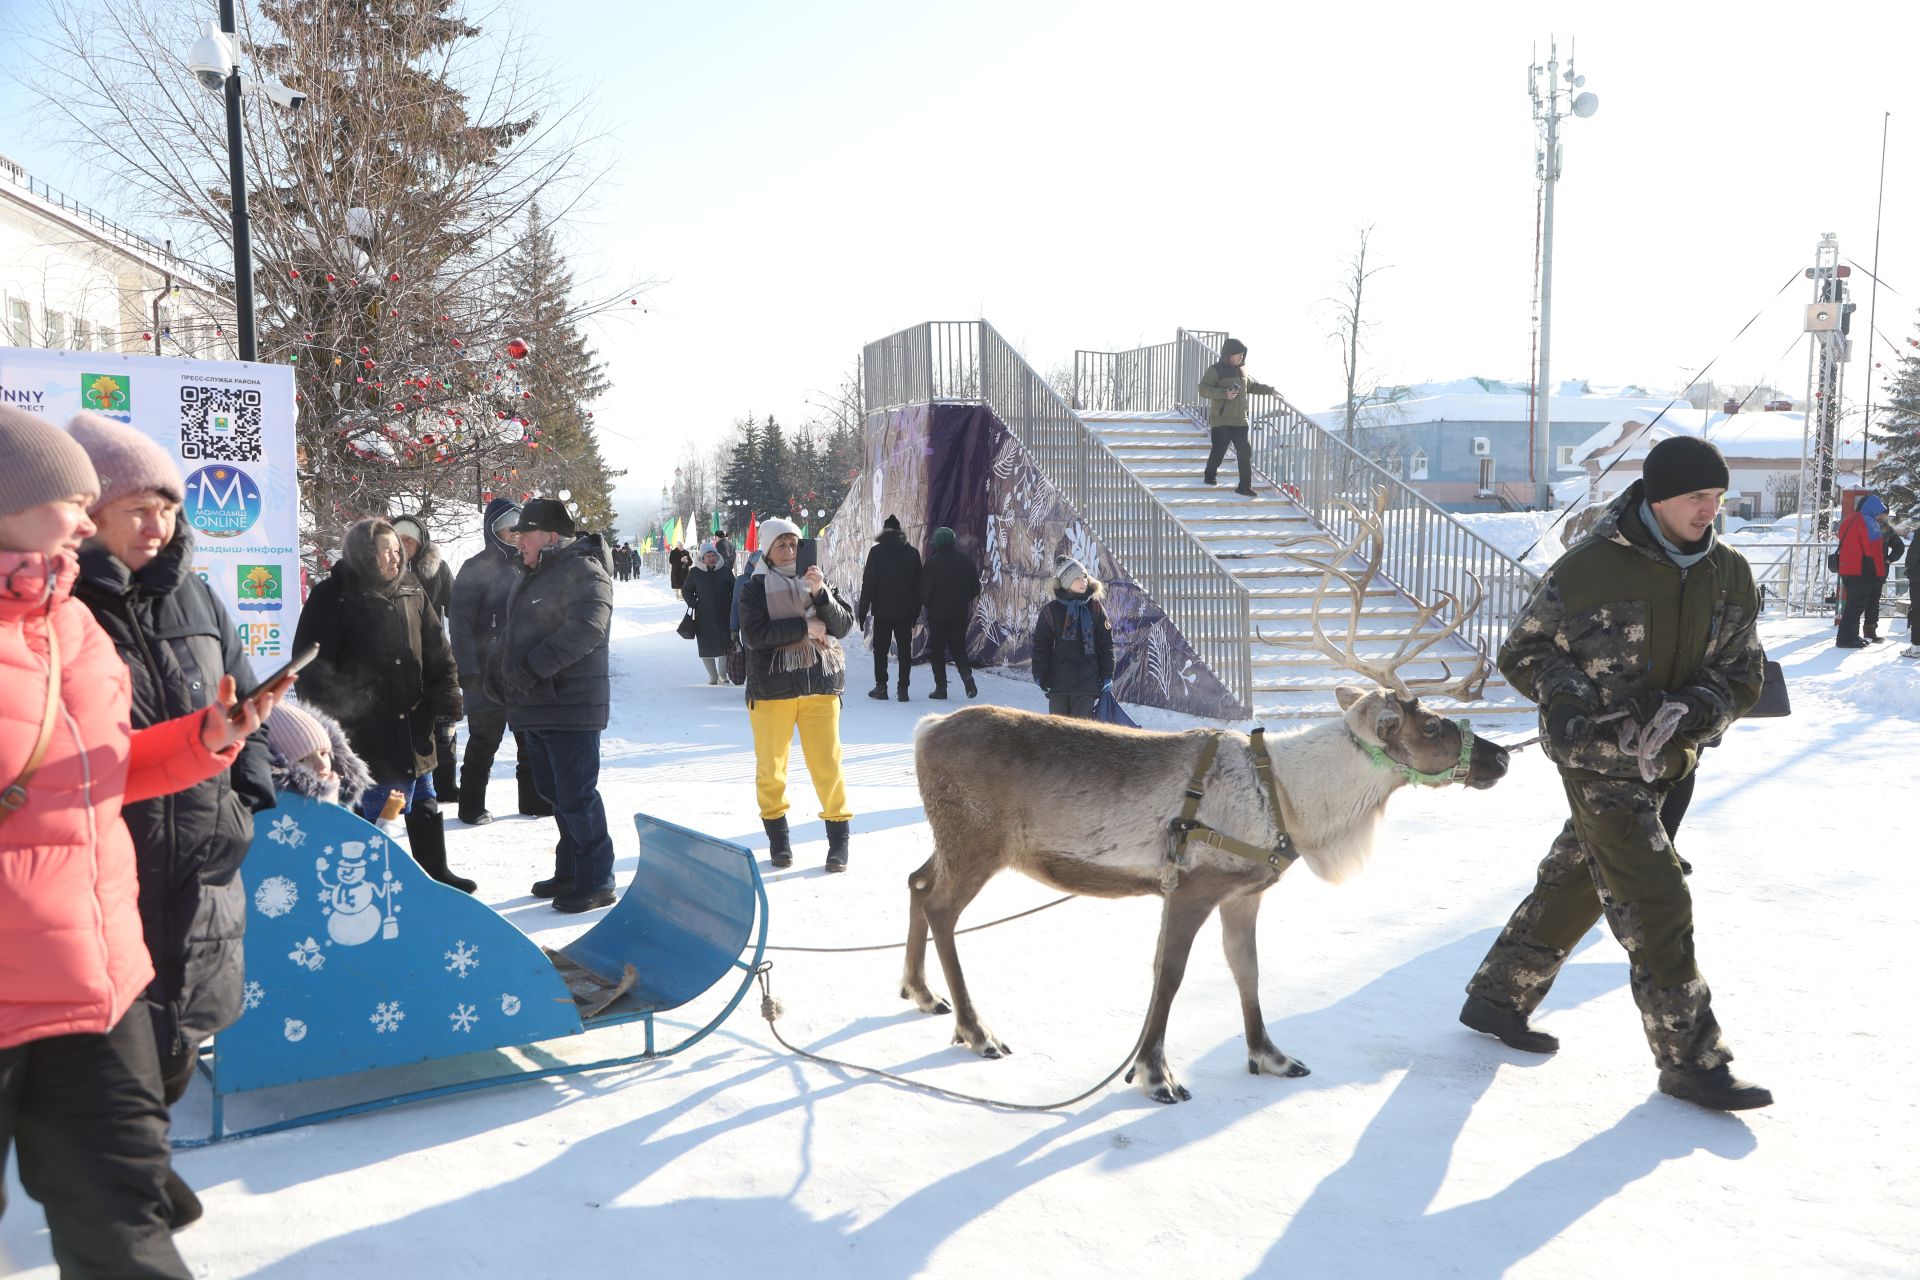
pixel 72 959
pixel 431 571
pixel 384 671
pixel 478 607
pixel 1066 660
pixel 550 667
pixel 177 641
pixel 350 774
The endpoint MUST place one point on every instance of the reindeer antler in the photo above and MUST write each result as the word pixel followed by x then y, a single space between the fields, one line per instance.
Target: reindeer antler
pixel 1386 674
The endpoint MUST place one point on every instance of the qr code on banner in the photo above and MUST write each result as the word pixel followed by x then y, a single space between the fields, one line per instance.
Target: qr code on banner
pixel 219 424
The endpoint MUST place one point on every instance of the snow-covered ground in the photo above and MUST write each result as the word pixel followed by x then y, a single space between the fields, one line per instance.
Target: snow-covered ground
pixel 1414 1149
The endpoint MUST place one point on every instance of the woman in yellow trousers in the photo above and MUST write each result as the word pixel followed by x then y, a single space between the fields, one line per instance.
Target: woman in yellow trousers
pixel 790 626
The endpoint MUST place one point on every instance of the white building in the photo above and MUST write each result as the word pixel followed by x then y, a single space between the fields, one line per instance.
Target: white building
pixel 71 278
pixel 1762 450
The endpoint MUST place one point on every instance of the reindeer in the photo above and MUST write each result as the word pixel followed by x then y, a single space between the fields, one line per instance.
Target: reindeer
pixel 1206 818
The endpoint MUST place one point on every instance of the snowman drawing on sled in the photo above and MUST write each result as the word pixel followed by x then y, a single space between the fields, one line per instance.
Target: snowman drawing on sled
pixel 357 909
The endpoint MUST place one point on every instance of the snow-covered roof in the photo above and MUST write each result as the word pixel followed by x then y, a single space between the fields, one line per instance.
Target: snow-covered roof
pixel 1752 434
pixel 1496 400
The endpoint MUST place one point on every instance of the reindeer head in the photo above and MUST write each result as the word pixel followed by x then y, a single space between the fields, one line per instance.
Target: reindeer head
pixel 1423 746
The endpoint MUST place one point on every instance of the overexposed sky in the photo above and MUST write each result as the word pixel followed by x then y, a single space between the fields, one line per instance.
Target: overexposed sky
pixel 806 178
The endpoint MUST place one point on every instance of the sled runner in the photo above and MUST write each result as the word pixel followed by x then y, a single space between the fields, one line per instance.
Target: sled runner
pixel 357 963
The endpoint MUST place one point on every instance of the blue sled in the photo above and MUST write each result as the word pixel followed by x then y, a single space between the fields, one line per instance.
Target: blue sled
pixel 356 960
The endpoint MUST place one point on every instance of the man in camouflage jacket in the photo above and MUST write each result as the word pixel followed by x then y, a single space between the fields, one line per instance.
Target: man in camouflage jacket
pixel 1649 610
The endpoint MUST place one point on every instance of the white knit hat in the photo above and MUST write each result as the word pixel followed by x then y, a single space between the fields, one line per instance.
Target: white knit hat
pixel 773 527
pixel 294 735
pixel 1066 569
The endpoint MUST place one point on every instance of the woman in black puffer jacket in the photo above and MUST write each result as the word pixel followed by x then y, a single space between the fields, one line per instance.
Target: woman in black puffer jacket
pixel 386 674
pixel 136 577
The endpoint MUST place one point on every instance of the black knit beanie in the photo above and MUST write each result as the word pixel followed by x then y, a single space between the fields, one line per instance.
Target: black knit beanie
pixel 1683 464
pixel 891 522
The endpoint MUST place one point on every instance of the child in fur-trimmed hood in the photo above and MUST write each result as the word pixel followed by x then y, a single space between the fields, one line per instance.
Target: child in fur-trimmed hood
pixel 310 756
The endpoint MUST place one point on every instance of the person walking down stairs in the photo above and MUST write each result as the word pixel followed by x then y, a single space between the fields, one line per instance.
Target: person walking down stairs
pixel 1225 387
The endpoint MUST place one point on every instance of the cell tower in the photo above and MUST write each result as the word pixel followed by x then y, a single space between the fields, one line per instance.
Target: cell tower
pixel 1829 319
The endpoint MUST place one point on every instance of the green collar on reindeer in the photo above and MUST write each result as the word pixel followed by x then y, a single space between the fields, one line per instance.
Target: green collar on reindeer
pixel 1187 829
pixel 1458 773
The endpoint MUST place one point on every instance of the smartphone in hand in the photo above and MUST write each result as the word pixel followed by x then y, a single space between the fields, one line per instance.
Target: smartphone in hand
pixel 277 682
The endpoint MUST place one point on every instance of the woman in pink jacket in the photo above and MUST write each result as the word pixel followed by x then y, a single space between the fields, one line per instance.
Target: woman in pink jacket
pixel 79 1080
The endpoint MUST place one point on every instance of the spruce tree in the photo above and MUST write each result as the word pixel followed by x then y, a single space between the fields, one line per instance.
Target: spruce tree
pixel 1896 475
pixel 558 378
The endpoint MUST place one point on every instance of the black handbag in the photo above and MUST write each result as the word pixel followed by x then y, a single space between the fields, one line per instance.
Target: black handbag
pixel 1773 701
pixel 689 628
pixel 1833 561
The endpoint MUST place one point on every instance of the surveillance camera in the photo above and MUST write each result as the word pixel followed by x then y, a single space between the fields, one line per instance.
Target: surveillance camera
pixel 211 59
pixel 278 94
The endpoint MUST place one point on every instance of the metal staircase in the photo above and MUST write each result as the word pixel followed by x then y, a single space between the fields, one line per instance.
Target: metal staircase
pixel 1167 451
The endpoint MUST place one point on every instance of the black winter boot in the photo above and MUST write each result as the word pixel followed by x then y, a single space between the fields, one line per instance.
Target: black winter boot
pixel 427 842
pixel 901 692
pixel 878 691
pixel 183 1207
pixel 532 803
pixel 1716 1090
pixel 779 842
pixel 552 887
pixel 1507 1026
pixel 939 693
pixel 973 690
pixel 837 841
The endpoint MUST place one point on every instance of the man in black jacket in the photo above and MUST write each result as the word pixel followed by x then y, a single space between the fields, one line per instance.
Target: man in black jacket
pixel 949 584
pixel 173 633
pixel 550 669
pixel 475 614
pixel 890 594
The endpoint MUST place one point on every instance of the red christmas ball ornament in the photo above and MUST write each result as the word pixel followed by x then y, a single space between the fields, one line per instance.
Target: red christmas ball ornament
pixel 365 350
pixel 294 272
pixel 486 495
pixel 526 395
pixel 399 408
pixel 146 337
pixel 331 277
pixel 445 319
pixel 633 302
pixel 457 344
pixel 394 276
pixel 307 336
pixel 392 314
pixel 426 439
pixel 500 414
pixel 518 348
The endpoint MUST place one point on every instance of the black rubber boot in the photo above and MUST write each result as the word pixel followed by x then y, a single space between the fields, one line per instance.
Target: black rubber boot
pixel 1507 1026
pixel 427 842
pixel 1716 1090
pixel 183 1207
pixel 878 691
pixel 779 842
pixel 901 693
pixel 939 693
pixel 837 843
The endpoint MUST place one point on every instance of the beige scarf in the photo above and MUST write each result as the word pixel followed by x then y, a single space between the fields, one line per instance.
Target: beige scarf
pixel 788 597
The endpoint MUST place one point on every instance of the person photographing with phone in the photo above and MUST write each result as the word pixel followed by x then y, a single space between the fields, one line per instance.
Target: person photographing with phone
pixel 80 1090
pixel 1225 387
pixel 792 624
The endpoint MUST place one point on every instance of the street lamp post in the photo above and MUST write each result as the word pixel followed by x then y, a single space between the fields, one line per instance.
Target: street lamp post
pixel 237 179
pixel 1548 110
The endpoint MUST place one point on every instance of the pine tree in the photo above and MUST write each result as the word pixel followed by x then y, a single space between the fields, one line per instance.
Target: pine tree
pixel 1896 475
pixel 775 489
pixel 559 377
pixel 740 477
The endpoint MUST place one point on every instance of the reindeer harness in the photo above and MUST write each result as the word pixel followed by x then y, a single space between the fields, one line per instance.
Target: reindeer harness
pixel 1188 829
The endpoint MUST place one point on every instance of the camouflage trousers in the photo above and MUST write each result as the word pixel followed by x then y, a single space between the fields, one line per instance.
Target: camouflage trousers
pixel 1613 858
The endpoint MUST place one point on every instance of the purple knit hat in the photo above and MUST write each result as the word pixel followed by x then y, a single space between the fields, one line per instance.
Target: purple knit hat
pixel 125 460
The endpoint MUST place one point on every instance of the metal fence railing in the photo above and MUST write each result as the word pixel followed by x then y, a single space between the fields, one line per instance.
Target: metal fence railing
pixel 969 362
pixel 1427 550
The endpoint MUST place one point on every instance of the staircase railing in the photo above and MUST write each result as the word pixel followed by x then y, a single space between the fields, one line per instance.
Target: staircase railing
pixel 1428 550
pixel 969 362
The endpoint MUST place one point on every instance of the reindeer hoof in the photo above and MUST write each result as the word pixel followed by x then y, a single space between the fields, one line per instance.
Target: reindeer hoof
pixel 982 1042
pixel 1160 1085
pixel 925 1000
pixel 1276 1064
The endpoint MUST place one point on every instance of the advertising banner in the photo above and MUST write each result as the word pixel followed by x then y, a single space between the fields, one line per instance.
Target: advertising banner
pixel 229 425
